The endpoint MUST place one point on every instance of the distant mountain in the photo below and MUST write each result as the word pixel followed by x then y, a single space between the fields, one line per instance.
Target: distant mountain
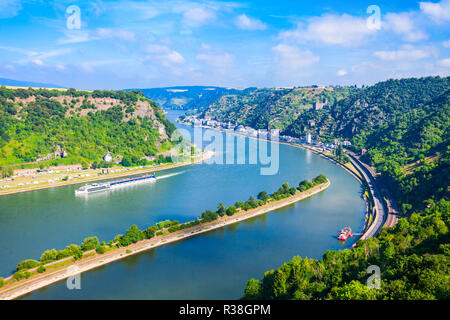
pixel 18 83
pixel 189 97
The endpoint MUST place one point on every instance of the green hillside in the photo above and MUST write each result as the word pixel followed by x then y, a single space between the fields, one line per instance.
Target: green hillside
pixel 69 126
pixel 271 108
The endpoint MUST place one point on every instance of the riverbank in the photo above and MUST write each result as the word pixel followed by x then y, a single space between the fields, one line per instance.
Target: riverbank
pixel 37 281
pixel 128 172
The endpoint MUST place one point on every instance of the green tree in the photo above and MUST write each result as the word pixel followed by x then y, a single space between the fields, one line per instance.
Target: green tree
pixel 27 264
pixel 89 243
pixel 231 211
pixel 134 234
pixel 263 196
pixel 253 289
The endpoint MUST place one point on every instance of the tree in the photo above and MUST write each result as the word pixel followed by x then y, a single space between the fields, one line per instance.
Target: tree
pixel 253 289
pixel 134 234
pixel 27 264
pixel 251 201
pixel 49 256
pixel 101 249
pixel 75 251
pixel 263 196
pixel 354 290
pixel 149 232
pixel 89 243
pixel 209 216
pixel 231 211
pixel 19 275
pixel 41 269
pixel 221 209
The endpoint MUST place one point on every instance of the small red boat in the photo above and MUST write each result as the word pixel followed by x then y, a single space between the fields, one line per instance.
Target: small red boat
pixel 345 234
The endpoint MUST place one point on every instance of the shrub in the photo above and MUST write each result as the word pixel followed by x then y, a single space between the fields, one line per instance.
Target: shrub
pixel 134 234
pixel 49 256
pixel 149 232
pixel 2 282
pixel 174 228
pixel 231 211
pixel 263 196
pixel 75 251
pixel 209 216
pixel 19 275
pixel 101 249
pixel 41 269
pixel 89 243
pixel 27 264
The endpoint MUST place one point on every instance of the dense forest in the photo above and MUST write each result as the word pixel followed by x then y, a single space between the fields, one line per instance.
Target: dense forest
pixel 272 108
pixel 69 126
pixel 404 127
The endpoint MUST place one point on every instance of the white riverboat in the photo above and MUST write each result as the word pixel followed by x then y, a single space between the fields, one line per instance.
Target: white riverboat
pixel 97 187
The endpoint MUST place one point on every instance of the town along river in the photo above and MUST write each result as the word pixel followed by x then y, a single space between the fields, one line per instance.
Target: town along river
pixel 214 265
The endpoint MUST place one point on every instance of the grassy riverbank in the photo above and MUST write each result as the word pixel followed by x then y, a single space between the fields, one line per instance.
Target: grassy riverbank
pixel 90 175
pixel 59 270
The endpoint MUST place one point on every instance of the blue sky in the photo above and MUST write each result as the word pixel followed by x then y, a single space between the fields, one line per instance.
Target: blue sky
pixel 142 44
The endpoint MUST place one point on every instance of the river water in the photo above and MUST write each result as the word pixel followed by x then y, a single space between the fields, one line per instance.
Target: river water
pixel 214 265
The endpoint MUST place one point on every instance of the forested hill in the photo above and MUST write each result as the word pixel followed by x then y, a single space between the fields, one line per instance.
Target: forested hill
pixel 190 97
pixel 272 108
pixel 405 127
pixel 70 126
pixel 370 108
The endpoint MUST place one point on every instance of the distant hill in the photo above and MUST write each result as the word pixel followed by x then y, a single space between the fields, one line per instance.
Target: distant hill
pixel 19 83
pixel 270 108
pixel 189 97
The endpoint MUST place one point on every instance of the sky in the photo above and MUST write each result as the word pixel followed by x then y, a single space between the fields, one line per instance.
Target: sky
pixel 114 44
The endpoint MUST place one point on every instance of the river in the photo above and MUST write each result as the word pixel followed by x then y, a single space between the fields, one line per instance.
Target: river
pixel 214 265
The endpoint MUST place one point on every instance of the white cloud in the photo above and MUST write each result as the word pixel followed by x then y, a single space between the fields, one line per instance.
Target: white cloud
pixel 89 66
pixel 408 53
pixel 403 24
pixel 345 30
pixel 78 36
pixel 9 8
pixel 444 63
pixel 198 16
pixel 446 44
pixel 217 60
pixel 439 12
pixel 247 23
pixel 156 48
pixel 164 55
pixel 341 73
pixel 35 57
pixel 174 57
pixel 37 62
pixel 105 33
pixel 293 59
